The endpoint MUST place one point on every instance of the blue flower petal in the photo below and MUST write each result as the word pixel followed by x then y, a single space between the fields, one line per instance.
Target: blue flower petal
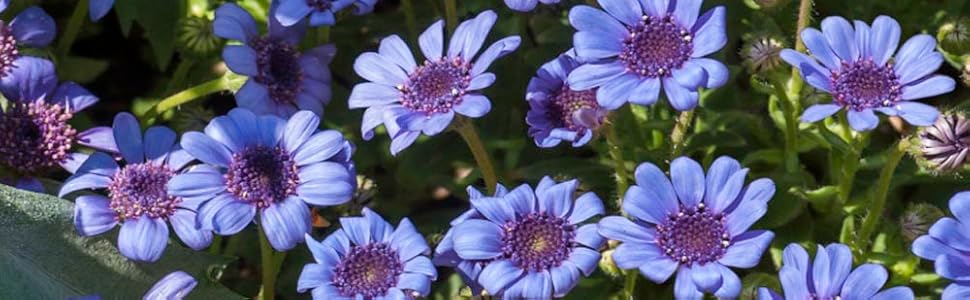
pixel 687 177
pixel 522 5
pixel 730 283
pixel 421 265
pixel 647 92
pixel 864 282
pixel 589 76
pixel 626 11
pixel 143 238
pixel 84 180
pixel 93 216
pixel 585 259
pixel 498 275
pixel 684 287
pixel 73 96
pixel 960 206
pixel 97 9
pixel 586 206
pixel 917 114
pixel 717 176
pixel 432 41
pixel 816 42
pixel 633 255
pixel 564 279
pixel 159 141
pixel 241 59
pixel 474 106
pixel 898 293
pixel 954 291
pixel 415 282
pixel 175 285
pixel 710 34
pixel 478 240
pixel 909 61
pixel 616 92
pixel 681 98
pixel 929 87
pixel 655 8
pixel 624 230
pixel 127 133
pixel 291 12
pixel 285 223
pixel 536 285
pixel 863 120
pixel 30 79
pixel 313 276
pixel 499 49
pixel 885 39
pixel 234 23
pixel 325 18
pixel 588 235
pixel 707 277
pixel 686 11
pixel 746 249
pixel 832 266
pixel 407 241
pixel 183 223
pixel 953 268
pixel 818 112
pixel 34 28
pixel 204 148
pixel 589 19
pixel 403 140
pixel 231 218
pixel 841 37
pixel 468 38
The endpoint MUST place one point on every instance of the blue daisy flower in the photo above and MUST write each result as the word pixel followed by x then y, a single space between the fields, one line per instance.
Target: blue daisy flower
pixel 558 113
pixel 857 66
pixel 444 253
pixel 138 198
pixel 32 28
pixel 97 9
pixel 831 276
pixel 527 5
pixel 175 285
pixel 693 225
pixel 531 244
pixel 35 134
pixel 642 45
pixel 319 12
pixel 948 245
pixel 281 80
pixel 265 165
pixel 369 259
pixel 410 99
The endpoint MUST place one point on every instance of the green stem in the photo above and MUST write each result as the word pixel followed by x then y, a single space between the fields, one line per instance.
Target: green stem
pixel 72 28
pixel 630 286
pixel 804 17
pixel 791 127
pixel 451 15
pixel 270 263
pixel 850 162
pixel 679 134
pixel 893 159
pixel 216 247
pixel 186 96
pixel 467 130
pixel 619 164
pixel 181 72
pixel 409 19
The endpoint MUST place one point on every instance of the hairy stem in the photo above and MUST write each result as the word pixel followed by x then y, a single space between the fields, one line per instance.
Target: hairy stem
pixel 186 96
pixel 409 19
pixel 791 127
pixel 679 134
pixel 181 71
pixel 72 28
pixel 893 158
pixel 271 262
pixel 467 130
pixel 619 165
pixel 451 15
pixel 630 285
pixel 804 17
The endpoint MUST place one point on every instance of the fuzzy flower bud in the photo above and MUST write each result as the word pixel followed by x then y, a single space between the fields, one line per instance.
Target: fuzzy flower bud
pixel 196 37
pixel 944 147
pixel 954 36
pixel 761 53
pixel 917 219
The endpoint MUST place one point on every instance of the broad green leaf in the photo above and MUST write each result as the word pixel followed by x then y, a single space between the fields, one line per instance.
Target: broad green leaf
pixel 158 19
pixel 42 257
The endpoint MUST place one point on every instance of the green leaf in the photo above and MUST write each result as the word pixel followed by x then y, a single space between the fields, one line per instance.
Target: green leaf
pixel 44 258
pixel 80 69
pixel 847 235
pixel 159 20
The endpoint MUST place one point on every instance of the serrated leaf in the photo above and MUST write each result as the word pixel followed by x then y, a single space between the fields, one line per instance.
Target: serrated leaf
pixel 42 257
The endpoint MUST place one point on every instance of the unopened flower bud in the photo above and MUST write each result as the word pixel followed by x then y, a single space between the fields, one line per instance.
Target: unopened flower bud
pixel 761 53
pixel 917 219
pixel 944 147
pixel 196 37
pixel 770 4
pixel 954 36
pixel 608 265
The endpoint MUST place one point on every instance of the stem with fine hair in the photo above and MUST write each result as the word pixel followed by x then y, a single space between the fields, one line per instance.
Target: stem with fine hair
pixel 467 130
pixel 791 127
pixel 850 162
pixel 410 21
pixel 804 17
pixel 271 263
pixel 186 96
pixel 451 15
pixel 878 203
pixel 619 165
pixel 679 134
pixel 630 286
pixel 72 28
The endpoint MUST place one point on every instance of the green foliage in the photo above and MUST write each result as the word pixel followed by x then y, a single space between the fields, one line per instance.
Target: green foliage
pixel 42 257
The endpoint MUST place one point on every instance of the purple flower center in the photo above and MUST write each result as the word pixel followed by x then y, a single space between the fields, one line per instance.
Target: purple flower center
pixel 656 46
pixel 319 5
pixel 538 241
pixel 141 189
pixel 35 136
pixel 8 49
pixel 262 175
pixel 577 110
pixel 693 235
pixel 368 270
pixel 437 86
pixel 279 69
pixel 862 85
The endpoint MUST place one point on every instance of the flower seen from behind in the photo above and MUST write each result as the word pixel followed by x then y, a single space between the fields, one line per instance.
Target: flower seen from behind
pixel 281 80
pixel 369 259
pixel 948 245
pixel 411 99
pixel 137 193
pixel 557 113
pixel 641 47
pixel 830 276
pixel 693 225
pixel 36 137
pixel 531 244
pixel 319 12
pixel 860 67
pixel 268 166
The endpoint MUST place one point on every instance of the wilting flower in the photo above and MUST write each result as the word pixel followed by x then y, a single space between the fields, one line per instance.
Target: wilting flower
pixel 31 28
pixel 531 244
pixel 831 276
pixel 174 286
pixel 35 136
pixel 410 99
pixel 643 45
pixel 319 12
pixel 693 225
pixel 138 197
pixel 945 146
pixel 281 81
pixel 444 253
pixel 267 165
pixel 558 113
pixel 859 70
pixel 948 244
pixel 527 5
pixel 369 259
pixel 97 9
